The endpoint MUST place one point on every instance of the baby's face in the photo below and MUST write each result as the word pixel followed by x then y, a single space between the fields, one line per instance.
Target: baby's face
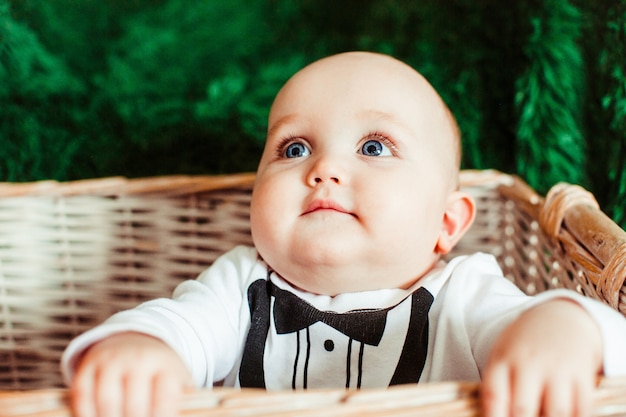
pixel 354 180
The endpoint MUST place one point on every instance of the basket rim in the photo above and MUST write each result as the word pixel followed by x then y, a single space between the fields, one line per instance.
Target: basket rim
pixel 184 184
pixel 106 186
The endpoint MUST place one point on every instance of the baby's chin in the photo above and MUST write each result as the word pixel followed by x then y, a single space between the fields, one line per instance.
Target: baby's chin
pixel 328 272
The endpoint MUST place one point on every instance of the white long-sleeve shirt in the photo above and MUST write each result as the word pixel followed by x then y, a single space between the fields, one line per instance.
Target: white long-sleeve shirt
pixel 241 323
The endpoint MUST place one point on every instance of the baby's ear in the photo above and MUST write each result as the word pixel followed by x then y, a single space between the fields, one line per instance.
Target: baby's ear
pixel 457 219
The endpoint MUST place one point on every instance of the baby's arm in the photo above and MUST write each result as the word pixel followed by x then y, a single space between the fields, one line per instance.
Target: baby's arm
pixel 117 366
pixel 129 374
pixel 546 363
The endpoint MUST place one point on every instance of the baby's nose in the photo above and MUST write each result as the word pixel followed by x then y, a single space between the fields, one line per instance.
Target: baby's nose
pixel 333 179
pixel 327 170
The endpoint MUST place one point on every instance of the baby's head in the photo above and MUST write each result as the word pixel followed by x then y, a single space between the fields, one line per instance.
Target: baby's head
pixel 357 188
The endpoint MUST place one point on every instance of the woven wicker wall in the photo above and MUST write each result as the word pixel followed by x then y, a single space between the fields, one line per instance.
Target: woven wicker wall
pixel 73 254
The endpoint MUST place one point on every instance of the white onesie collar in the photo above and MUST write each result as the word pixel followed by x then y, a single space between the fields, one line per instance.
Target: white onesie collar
pixel 384 298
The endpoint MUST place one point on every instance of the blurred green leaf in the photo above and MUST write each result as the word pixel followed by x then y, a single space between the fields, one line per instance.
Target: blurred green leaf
pixel 155 87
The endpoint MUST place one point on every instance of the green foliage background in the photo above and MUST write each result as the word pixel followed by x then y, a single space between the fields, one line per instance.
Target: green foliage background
pixel 155 87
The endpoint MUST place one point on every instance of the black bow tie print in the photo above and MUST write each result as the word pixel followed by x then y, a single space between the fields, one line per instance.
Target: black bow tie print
pixel 292 314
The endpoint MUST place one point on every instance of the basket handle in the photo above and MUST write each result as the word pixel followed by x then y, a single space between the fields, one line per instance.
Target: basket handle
pixel 574 209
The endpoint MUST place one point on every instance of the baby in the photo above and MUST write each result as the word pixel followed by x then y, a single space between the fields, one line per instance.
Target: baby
pixel 355 202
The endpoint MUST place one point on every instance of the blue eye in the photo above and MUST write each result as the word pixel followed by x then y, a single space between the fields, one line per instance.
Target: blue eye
pixel 296 150
pixel 375 148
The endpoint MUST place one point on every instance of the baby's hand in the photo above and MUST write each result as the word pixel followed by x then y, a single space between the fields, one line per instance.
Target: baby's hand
pixel 130 375
pixel 545 363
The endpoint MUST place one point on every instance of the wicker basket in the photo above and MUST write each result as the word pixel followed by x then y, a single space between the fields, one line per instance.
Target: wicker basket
pixel 72 254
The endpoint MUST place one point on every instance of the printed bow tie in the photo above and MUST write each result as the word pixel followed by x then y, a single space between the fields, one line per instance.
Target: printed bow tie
pixel 292 314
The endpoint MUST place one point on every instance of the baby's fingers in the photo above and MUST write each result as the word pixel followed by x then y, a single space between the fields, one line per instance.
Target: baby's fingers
pixel 527 389
pixel 496 392
pixel 138 396
pixel 97 392
pixel 574 400
pixel 168 392
pixel 584 401
pixel 109 395
pixel 83 393
pixel 507 392
pixel 558 401
pixel 523 393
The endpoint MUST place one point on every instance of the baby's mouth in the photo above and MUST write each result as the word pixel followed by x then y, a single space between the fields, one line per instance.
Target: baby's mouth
pixel 326 205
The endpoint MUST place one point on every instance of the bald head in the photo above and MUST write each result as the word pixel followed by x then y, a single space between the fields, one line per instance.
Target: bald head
pixel 353 73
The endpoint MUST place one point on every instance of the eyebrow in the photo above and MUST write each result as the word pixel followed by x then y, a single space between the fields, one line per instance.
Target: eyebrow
pixel 381 115
pixel 367 114
pixel 386 117
pixel 281 122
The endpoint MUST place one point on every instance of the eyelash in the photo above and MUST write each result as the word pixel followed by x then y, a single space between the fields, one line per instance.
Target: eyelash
pixel 282 145
pixel 382 138
pixel 373 135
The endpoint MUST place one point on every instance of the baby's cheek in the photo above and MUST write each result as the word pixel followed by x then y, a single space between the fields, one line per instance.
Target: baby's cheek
pixel 262 234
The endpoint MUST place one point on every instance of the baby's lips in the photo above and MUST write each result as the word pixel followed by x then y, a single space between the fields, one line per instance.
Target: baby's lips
pixel 321 204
